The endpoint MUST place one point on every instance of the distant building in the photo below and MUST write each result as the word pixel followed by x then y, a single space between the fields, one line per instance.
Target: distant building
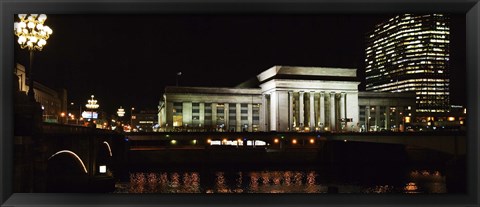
pixel 410 53
pixel 382 111
pixel 282 98
pixel 211 109
pixel 145 120
pixel 54 102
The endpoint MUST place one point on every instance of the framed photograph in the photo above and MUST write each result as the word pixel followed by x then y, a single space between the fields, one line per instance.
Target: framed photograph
pixel 197 103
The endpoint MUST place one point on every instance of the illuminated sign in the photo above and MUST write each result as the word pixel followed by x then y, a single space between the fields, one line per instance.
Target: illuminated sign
pixel 88 115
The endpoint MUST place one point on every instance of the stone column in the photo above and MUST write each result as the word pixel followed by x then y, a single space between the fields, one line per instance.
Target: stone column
pixel 322 110
pixel 214 115
pixel 377 117
pixel 332 111
pixel 273 111
pixel 250 117
pixel 169 114
pixel 187 114
pixel 301 110
pixel 262 112
pixel 342 109
pixel 202 114
pixel 226 116
pixel 290 110
pixel 312 111
pixel 238 111
pixel 387 118
pixel 367 118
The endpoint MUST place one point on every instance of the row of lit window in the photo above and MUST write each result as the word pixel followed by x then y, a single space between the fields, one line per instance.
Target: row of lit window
pixel 400 70
pixel 440 41
pixel 426 52
pixel 421 33
pixel 422 46
pixel 408 23
pixel 443 31
pixel 409 87
pixel 433 93
pixel 430 110
pixel 418 82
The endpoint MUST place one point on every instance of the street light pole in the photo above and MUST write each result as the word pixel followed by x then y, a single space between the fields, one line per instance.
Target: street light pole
pixel 131 118
pixel 31 93
pixel 177 77
pixel 32 34
pixel 92 104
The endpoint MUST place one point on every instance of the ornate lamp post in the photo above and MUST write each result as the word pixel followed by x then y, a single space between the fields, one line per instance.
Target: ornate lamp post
pixel 121 112
pixel 32 34
pixel 92 105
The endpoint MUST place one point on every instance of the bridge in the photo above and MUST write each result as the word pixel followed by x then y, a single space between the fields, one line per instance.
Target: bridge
pixel 450 142
pixel 57 157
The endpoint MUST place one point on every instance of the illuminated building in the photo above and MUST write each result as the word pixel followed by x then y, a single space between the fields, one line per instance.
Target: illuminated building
pixel 53 102
pixel 281 98
pixel 410 53
pixel 383 111
pixel 144 120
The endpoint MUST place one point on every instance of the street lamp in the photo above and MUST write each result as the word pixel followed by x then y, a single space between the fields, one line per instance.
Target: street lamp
pixel 120 112
pixel 131 117
pixel 33 35
pixel 178 75
pixel 92 105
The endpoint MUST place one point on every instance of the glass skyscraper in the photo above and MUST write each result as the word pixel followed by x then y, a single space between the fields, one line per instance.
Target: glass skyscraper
pixel 410 52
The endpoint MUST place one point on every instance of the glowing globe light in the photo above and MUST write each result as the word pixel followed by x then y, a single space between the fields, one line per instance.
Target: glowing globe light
pixel 31 31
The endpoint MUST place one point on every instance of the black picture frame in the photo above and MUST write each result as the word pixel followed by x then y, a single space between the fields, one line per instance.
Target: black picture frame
pixel 471 9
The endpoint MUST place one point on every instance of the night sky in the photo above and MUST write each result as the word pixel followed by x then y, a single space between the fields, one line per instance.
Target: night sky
pixel 127 60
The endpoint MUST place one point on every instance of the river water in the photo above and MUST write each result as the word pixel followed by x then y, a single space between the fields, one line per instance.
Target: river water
pixel 365 179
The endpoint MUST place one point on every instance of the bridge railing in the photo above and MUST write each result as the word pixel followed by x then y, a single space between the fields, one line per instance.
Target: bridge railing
pixel 53 128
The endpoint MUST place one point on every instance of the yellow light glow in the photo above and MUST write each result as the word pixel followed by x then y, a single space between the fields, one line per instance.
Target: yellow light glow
pixel 62 114
pixel 312 141
pixel 461 122
pixel 411 187
pixel 451 118
pixel 194 141
pixel 173 141
pixel 407 119
pixel 275 141
pixel 31 31
pixel 294 141
pixel 209 141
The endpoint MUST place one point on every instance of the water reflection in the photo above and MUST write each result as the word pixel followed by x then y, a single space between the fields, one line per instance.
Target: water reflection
pixel 161 183
pixel 416 181
pixel 424 181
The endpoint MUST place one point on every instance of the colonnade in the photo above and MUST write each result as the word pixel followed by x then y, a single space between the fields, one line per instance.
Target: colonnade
pixel 304 110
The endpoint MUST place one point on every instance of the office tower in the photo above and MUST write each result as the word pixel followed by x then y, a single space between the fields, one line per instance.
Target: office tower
pixel 411 53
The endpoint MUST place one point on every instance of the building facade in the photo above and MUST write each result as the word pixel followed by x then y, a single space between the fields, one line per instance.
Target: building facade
pixel 284 98
pixel 210 109
pixel 410 53
pixel 54 102
pixel 386 111
pixel 144 120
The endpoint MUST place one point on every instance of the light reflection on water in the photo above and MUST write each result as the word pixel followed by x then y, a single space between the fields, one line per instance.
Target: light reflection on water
pixel 417 181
